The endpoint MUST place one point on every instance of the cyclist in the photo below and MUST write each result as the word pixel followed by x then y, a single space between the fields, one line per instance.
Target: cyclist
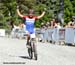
pixel 29 22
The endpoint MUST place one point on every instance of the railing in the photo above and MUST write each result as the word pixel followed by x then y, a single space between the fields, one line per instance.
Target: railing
pixel 66 35
pixel 54 35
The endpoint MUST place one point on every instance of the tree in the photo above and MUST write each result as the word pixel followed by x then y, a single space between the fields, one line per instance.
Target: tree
pixel 69 7
pixel 8 9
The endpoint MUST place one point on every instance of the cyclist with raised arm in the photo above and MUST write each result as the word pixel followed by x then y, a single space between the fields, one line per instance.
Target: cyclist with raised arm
pixel 29 22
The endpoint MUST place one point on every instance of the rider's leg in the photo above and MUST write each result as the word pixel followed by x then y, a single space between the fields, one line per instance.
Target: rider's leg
pixel 28 38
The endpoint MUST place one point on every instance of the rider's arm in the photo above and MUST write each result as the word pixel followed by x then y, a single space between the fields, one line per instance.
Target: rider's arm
pixel 43 13
pixel 19 13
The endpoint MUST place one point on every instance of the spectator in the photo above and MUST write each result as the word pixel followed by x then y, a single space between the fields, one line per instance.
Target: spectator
pixel 54 20
pixel 74 25
pixel 70 24
pixel 52 24
pixel 57 25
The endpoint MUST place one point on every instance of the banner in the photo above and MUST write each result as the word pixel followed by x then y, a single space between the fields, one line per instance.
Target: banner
pixel 61 34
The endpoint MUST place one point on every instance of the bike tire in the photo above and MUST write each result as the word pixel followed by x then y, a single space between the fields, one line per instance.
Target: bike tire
pixel 30 51
pixel 35 52
pixel 35 55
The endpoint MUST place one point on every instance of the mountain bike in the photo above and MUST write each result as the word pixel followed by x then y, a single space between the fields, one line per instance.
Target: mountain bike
pixel 32 51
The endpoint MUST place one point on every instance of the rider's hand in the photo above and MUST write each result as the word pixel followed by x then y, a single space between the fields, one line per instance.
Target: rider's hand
pixel 45 9
pixel 17 7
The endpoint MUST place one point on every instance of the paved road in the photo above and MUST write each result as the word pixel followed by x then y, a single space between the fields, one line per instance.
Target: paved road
pixel 14 52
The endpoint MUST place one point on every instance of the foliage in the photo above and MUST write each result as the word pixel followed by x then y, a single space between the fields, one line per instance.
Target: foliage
pixel 8 10
pixel 69 10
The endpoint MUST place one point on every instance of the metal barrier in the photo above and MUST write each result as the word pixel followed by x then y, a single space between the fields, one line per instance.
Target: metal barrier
pixel 18 33
pixel 69 36
pixel 50 32
pixel 15 33
pixel 66 35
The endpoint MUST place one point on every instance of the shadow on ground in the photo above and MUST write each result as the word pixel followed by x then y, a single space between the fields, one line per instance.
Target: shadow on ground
pixel 70 45
pixel 24 57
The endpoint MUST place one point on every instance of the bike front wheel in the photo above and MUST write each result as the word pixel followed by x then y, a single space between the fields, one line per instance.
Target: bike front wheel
pixel 30 53
pixel 35 51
